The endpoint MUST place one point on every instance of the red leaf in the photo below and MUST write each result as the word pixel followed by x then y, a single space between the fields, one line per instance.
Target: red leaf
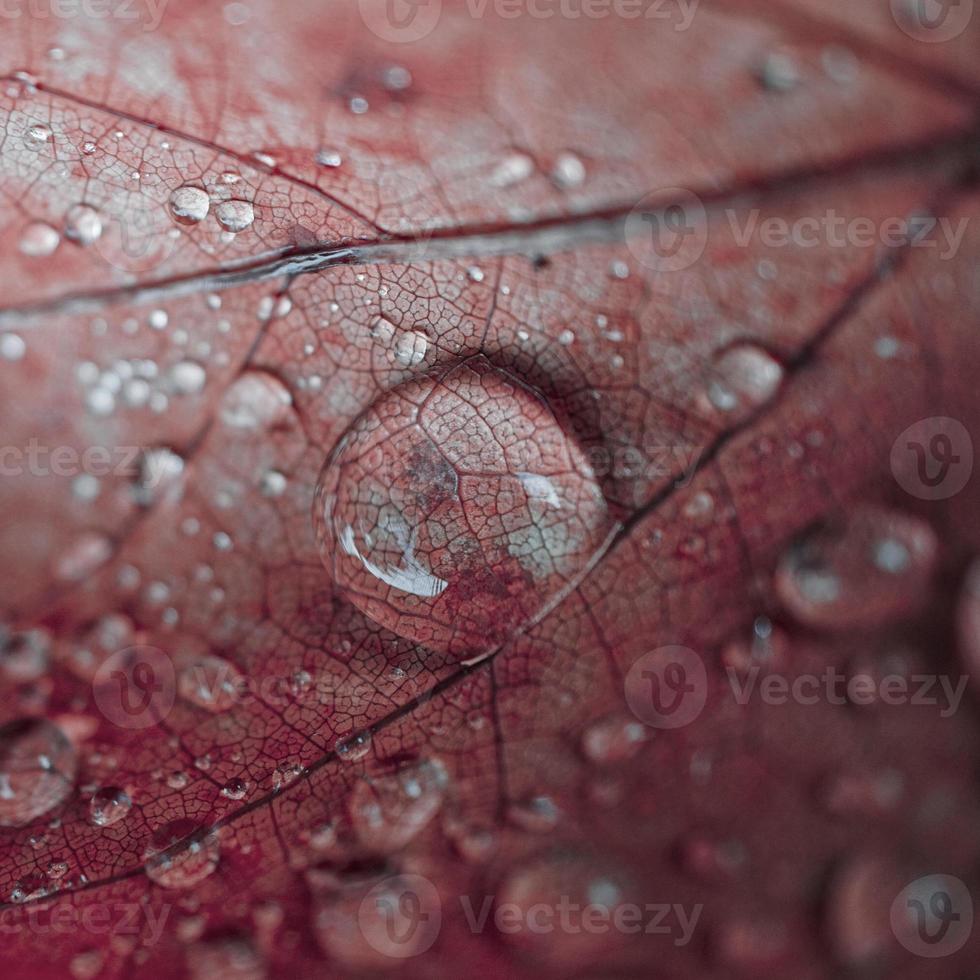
pixel 499 499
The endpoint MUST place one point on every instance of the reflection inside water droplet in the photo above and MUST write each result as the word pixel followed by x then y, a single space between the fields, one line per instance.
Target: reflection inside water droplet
pixel 456 509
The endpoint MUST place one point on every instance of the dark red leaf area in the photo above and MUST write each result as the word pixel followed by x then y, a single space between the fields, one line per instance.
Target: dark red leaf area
pixel 412 297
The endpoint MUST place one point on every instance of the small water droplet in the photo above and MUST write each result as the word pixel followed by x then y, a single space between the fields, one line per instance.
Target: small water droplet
pixel 177 780
pixel 181 854
pixel 39 239
pixel 39 133
pixel 538 814
pixel 568 171
pixel 512 170
pixel 779 72
pixel 613 739
pixel 83 224
pixel 12 347
pixel 329 158
pixel 396 78
pixel 108 806
pixel 255 400
pixel 212 683
pixel 188 378
pixel 87 965
pixel 37 770
pixel 355 747
pixel 189 204
pixel 273 484
pixel 235 789
pixel 83 556
pixel 235 215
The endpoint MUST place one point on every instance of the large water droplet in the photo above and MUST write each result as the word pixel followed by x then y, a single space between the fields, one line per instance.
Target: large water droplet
pixel 869 569
pixel 857 908
pixel 580 889
pixel 189 205
pixel 108 806
pixel 372 924
pixel 37 770
pixel 457 508
pixel 173 862
pixel 388 811
pixel 742 379
pixel 235 215
pixel 968 622
pixel 225 958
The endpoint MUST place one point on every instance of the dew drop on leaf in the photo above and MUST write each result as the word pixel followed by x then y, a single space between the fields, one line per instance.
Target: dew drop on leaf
pixel 37 770
pixel 82 556
pixel 568 171
pixel 189 204
pixel 742 379
pixel 83 224
pixel 556 881
pixel 39 239
pixel 968 622
pixel 224 957
pixel 256 400
pixel 872 567
pixel 537 814
pixel 613 739
pixel 512 170
pixel 188 377
pixel 235 215
pixel 212 683
pixel 456 509
pixel 389 811
pixel 39 133
pixel 173 861
pixel 329 158
pixel 355 747
pixel 234 789
pixel 108 806
pixel 371 924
